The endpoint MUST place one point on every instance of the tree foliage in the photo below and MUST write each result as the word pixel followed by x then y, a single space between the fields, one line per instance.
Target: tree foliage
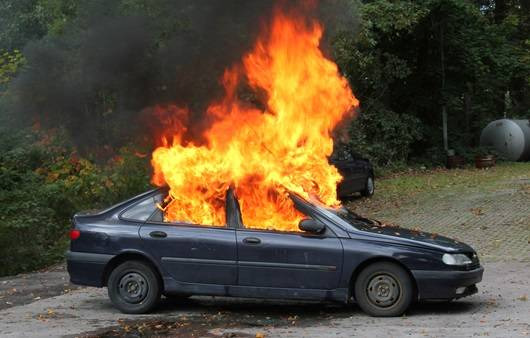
pixel 410 58
pixel 10 63
pixel 43 182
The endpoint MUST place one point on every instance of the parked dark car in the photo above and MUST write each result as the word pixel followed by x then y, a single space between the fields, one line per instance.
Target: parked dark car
pixel 357 173
pixel 337 256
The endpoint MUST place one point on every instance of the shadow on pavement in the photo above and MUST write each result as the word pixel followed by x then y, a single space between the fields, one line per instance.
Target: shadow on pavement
pixel 196 316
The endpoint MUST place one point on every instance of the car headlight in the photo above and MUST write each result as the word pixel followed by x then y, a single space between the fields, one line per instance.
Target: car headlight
pixel 456 259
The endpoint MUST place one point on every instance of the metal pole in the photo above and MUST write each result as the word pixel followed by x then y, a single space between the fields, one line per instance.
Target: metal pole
pixel 444 122
pixel 442 66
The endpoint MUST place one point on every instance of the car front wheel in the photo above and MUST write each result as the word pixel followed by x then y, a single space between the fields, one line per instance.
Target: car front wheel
pixel 384 290
pixel 133 287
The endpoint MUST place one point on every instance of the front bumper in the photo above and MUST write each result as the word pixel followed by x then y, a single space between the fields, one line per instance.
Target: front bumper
pixel 445 284
pixel 86 268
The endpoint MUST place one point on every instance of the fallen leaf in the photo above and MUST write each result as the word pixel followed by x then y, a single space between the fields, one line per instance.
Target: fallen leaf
pixel 477 211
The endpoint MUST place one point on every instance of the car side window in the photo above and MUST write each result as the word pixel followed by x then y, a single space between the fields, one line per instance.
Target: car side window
pixel 140 211
pixel 157 216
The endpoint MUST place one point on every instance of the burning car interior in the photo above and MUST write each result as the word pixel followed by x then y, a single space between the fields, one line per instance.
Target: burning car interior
pixel 154 211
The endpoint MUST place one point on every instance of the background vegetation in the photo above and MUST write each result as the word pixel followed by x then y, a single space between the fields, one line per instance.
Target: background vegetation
pixel 76 78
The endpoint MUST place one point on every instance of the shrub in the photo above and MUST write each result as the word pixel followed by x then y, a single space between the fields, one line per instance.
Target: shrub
pixel 384 136
pixel 43 183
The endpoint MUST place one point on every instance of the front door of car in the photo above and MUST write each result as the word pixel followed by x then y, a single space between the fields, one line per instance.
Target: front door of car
pixel 192 253
pixel 288 259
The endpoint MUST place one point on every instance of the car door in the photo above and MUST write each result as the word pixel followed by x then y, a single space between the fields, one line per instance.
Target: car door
pixel 192 253
pixel 288 259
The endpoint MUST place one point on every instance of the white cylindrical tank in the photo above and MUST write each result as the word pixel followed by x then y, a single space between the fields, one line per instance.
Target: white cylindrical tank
pixel 510 138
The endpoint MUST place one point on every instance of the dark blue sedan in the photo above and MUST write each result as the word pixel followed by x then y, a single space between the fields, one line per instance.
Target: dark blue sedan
pixel 337 256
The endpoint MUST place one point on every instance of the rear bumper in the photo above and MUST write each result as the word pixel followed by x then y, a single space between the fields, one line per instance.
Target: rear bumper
pixel 445 284
pixel 86 268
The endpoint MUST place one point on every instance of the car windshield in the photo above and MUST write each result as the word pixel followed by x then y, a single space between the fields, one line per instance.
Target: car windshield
pixel 354 220
pixel 349 220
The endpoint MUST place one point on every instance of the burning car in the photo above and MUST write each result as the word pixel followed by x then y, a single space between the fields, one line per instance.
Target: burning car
pixel 336 255
pixel 236 212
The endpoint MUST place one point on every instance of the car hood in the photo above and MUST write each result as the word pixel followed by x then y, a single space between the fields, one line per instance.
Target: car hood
pixel 415 237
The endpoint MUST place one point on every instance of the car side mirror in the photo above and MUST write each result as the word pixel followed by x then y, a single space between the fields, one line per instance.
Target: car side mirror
pixel 312 225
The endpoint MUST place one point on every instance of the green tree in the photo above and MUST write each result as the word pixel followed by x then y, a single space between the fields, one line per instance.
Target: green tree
pixel 410 59
pixel 26 20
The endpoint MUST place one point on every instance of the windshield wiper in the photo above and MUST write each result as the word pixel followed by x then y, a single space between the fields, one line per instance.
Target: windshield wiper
pixel 356 217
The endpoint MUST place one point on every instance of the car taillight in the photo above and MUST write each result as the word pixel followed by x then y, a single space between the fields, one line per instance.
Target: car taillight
pixel 74 234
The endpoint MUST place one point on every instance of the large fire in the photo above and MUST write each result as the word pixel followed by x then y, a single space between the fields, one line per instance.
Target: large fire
pixel 261 152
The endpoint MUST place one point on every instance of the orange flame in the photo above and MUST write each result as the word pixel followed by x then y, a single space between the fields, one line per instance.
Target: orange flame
pixel 263 153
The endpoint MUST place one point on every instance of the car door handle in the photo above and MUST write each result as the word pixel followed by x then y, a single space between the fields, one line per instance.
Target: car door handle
pixel 252 240
pixel 158 234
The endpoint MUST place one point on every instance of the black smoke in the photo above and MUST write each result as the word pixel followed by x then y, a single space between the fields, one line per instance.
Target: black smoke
pixel 99 78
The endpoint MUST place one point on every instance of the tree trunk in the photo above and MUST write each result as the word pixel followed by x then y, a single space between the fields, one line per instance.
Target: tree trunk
pixel 444 110
pixel 467 106
pixel 525 5
pixel 501 10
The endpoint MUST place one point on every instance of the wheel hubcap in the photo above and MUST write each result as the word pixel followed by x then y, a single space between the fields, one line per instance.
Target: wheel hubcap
pixel 383 290
pixel 133 287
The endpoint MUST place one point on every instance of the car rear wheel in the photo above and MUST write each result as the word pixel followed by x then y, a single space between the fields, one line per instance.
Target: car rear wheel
pixel 384 290
pixel 369 187
pixel 134 287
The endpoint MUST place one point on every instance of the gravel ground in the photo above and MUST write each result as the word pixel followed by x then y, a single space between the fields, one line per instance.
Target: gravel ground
pixel 30 287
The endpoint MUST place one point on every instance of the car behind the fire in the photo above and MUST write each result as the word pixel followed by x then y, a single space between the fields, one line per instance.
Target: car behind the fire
pixel 337 256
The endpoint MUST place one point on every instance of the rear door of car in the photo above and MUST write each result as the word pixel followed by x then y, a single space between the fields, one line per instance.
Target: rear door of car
pixel 192 253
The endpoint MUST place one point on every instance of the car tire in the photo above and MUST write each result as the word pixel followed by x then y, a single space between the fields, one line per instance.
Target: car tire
pixel 369 187
pixel 384 289
pixel 134 287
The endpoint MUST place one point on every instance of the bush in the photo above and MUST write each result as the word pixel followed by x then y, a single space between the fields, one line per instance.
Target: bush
pixel 43 183
pixel 384 136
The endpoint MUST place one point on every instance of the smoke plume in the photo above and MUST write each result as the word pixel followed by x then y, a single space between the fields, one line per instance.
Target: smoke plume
pixel 101 77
